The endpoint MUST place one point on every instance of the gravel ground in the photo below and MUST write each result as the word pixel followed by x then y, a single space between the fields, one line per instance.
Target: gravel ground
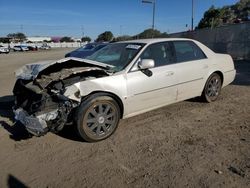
pixel 188 144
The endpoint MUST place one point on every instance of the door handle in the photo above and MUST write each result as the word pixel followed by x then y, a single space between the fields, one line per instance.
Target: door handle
pixel 169 73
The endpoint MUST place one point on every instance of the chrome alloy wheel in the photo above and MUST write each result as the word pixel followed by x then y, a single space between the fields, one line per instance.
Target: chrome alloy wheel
pixel 100 119
pixel 213 88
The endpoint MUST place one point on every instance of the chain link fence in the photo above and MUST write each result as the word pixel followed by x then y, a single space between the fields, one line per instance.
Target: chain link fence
pixel 52 45
pixel 231 39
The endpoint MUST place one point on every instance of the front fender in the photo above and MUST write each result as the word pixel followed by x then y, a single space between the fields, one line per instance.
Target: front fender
pixel 115 84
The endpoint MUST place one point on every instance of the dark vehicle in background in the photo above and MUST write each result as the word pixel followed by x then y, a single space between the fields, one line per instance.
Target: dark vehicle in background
pixel 32 48
pixel 86 50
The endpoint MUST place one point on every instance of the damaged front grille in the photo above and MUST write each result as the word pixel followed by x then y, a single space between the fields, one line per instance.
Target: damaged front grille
pixel 26 98
pixel 33 101
pixel 40 106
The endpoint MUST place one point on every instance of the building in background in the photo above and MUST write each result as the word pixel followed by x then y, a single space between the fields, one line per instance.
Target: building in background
pixel 76 39
pixel 38 39
pixel 56 39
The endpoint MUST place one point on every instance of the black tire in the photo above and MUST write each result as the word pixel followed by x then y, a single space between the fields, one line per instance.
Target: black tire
pixel 212 88
pixel 97 117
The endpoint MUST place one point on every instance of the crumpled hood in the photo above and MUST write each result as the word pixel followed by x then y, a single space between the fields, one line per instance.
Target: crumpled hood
pixel 30 71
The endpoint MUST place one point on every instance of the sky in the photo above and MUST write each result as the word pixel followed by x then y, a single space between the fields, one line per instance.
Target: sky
pixel 91 17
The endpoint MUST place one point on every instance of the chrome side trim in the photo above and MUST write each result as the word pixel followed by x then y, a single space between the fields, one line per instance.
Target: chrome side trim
pixel 168 86
pixel 230 71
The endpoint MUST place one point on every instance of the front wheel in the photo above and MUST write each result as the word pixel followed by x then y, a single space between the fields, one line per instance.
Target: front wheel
pixel 212 88
pixel 98 118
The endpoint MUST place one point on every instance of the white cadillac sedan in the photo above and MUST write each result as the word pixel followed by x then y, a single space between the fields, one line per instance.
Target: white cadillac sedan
pixel 121 80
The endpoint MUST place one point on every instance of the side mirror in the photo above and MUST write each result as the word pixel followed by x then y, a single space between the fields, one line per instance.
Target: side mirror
pixel 146 64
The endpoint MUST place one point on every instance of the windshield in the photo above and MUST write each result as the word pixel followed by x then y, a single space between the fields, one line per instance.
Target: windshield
pixel 118 55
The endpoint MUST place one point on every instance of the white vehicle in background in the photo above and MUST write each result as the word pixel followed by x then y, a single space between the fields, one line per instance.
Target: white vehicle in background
pixel 4 50
pixel 119 81
pixel 45 47
pixel 20 48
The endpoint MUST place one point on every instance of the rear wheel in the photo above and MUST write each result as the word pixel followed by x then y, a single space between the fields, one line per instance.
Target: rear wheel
pixel 98 118
pixel 212 88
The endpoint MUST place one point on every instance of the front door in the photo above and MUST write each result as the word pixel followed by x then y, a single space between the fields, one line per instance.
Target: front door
pixel 148 92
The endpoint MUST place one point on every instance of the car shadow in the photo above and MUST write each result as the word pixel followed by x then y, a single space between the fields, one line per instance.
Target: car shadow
pixel 13 182
pixel 242 73
pixel 6 103
pixel 16 130
pixel 69 132
pixel 196 99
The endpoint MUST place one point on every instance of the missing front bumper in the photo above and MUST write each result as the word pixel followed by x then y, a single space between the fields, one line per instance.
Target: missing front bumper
pixel 36 125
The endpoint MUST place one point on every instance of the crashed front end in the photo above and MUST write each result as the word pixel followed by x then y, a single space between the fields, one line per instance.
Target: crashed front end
pixel 46 96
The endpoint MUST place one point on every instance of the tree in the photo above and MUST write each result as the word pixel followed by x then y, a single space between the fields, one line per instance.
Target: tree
pixel 4 40
pixel 66 39
pixel 236 13
pixel 242 10
pixel 151 33
pixel 211 18
pixel 86 39
pixel 164 35
pixel 17 37
pixel 122 38
pixel 106 36
pixel 47 41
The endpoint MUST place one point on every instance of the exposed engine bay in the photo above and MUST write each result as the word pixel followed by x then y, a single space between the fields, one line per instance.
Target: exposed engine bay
pixel 41 102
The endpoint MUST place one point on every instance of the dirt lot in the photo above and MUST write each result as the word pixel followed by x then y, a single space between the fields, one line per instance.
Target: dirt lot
pixel 188 144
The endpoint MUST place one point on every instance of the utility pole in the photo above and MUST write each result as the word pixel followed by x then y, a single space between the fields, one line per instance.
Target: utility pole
pixel 151 2
pixel 192 22
pixel 120 30
pixel 21 28
pixel 153 25
pixel 82 29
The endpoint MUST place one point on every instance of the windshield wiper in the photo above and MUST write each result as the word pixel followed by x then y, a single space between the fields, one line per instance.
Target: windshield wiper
pixel 110 69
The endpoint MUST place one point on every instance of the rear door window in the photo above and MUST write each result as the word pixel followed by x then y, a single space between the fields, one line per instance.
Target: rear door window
pixel 187 51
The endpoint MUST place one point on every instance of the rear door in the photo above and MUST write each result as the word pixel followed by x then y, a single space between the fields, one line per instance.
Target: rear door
pixel 192 66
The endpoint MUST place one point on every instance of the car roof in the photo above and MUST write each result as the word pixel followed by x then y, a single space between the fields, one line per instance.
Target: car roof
pixel 149 41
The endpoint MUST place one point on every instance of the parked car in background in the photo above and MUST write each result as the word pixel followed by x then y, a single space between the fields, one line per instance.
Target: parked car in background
pixel 86 50
pixel 32 48
pixel 20 48
pixel 4 50
pixel 45 47
pixel 121 80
